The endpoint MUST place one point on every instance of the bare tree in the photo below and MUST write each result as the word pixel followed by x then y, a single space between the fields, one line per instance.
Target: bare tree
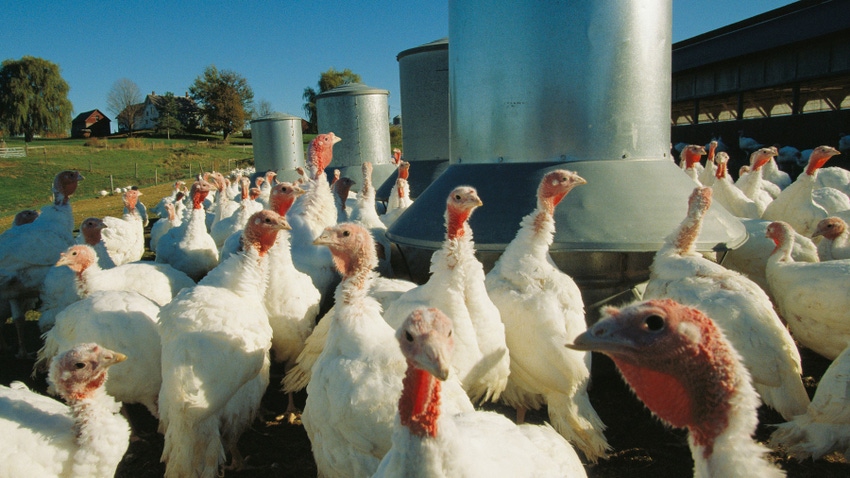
pixel 125 102
pixel 263 108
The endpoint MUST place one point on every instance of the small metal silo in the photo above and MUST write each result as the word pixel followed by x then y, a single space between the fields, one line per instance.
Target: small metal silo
pixel 581 85
pixel 278 145
pixel 424 88
pixel 359 115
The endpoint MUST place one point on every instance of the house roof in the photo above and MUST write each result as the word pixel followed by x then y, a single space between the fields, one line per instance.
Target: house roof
pixel 85 115
pixel 794 23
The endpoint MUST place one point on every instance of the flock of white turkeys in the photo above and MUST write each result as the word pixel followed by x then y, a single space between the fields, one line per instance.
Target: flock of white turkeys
pixel 300 274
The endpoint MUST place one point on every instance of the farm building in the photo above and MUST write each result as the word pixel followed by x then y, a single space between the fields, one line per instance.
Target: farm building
pixel 148 112
pixel 90 123
pixel 782 77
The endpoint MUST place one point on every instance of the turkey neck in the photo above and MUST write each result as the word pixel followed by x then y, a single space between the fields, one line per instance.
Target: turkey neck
pixel 784 245
pixel 696 391
pixel 689 230
pixel 356 272
pixel 419 405
pixel 456 226
pixel 96 420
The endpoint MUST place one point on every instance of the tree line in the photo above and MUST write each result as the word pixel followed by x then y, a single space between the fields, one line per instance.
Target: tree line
pixel 34 100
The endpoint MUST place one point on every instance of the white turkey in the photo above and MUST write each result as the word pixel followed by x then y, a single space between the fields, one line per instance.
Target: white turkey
pixel 91 230
pixel 356 380
pixel 59 291
pixel 825 427
pixel 737 305
pixel 215 357
pixel 45 438
pixel 456 286
pixel 709 173
pixel 159 209
pixel 747 144
pixel 836 239
pixel 690 161
pixel 730 196
pixel 158 282
pixel 681 366
pixel 751 257
pixel 795 205
pixel 429 441
pixel 365 213
pixel 114 319
pixel 291 299
pixel 311 214
pixel 542 309
pixel 752 183
pixel 189 247
pixel 225 205
pixel 234 223
pixel 399 198
pixel 382 289
pixel 22 275
pixel 811 297
pixel 341 190
pixel 125 236
pixel 164 224
pixel 775 175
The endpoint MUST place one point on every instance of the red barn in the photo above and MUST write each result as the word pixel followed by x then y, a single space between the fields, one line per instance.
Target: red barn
pixel 90 123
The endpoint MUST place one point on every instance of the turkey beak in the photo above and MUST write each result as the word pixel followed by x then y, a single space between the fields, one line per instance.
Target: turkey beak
pixel 434 359
pixel 284 225
pixel 111 358
pixel 579 180
pixel 324 239
pixel 297 190
pixel 602 337
pixel 336 139
pixel 63 260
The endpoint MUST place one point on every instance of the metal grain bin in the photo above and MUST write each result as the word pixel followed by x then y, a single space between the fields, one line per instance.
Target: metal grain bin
pixel 359 115
pixel 424 86
pixel 583 85
pixel 278 145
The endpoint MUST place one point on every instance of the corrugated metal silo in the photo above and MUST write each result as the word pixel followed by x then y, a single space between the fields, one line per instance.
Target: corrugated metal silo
pixel 358 114
pixel 424 87
pixel 278 145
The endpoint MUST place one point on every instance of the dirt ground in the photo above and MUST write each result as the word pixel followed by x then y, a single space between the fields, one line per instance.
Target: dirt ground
pixel 642 447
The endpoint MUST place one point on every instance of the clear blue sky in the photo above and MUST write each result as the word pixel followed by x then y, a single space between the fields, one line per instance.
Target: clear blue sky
pixel 280 47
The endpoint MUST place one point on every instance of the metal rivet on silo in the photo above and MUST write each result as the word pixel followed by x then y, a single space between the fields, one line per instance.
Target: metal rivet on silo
pixel 563 157
pixel 501 159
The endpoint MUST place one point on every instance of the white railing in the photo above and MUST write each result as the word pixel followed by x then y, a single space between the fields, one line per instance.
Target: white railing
pixel 13 153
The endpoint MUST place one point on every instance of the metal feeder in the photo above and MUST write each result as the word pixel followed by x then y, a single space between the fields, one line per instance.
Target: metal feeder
pixel 577 85
pixel 424 87
pixel 359 115
pixel 278 145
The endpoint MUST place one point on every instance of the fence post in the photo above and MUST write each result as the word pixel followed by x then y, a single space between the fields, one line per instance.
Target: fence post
pixel 156 176
pixel 190 169
pixel 111 185
pixel 137 170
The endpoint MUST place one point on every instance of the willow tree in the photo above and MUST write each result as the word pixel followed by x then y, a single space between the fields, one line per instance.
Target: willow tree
pixel 33 98
pixel 225 98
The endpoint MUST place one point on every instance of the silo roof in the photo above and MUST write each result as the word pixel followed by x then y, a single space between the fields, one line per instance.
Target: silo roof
pixel 275 117
pixel 441 44
pixel 353 89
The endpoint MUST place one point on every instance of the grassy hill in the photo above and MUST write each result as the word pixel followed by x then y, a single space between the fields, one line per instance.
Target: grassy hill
pixel 153 164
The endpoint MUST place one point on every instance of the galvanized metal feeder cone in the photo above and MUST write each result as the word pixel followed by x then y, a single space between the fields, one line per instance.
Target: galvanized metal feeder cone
pixel 583 86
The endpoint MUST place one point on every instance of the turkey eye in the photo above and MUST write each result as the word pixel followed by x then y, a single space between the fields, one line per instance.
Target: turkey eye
pixel 654 323
pixel 457 197
pixel 408 336
pixel 450 333
pixel 346 233
pixel 80 365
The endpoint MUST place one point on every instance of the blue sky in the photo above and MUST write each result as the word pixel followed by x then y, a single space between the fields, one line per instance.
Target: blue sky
pixel 280 47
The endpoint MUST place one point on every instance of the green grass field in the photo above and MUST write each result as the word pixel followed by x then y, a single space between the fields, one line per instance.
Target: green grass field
pixel 153 164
